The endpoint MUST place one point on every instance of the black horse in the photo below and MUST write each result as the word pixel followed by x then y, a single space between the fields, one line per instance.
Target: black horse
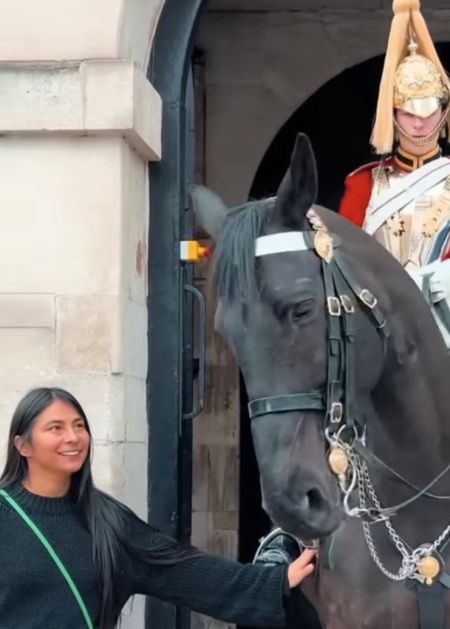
pixel 344 367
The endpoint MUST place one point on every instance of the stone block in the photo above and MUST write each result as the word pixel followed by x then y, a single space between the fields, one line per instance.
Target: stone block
pixel 134 491
pixel 87 333
pixel 134 409
pixel 134 232
pixel 72 199
pixel 27 311
pixel 111 97
pixel 73 29
pixel 27 354
pixel 108 467
pixel 132 358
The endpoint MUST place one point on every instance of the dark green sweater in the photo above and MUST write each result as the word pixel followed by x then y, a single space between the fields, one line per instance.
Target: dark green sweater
pixel 34 595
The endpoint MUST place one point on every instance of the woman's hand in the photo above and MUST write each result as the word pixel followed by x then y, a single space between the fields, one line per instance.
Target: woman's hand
pixel 301 568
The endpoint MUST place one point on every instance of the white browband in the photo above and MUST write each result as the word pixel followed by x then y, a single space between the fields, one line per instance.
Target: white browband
pixel 280 243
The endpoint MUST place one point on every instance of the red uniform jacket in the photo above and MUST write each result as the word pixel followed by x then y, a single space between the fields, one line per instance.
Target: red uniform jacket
pixel 358 188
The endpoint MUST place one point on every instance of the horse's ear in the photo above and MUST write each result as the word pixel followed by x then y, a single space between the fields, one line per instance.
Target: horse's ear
pixel 298 190
pixel 209 209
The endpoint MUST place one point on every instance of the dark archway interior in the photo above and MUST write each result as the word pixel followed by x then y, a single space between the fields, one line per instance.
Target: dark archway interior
pixel 338 119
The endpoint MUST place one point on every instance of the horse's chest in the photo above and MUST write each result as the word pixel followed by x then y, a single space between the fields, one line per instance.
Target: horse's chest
pixel 392 606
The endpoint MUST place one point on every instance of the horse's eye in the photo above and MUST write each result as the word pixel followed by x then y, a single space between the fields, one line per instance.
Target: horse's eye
pixel 298 311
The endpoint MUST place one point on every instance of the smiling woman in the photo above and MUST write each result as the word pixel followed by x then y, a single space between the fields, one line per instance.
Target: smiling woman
pixel 59 448
pixel 72 555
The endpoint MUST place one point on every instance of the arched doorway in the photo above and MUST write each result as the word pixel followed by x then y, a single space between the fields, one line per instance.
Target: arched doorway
pixel 169 449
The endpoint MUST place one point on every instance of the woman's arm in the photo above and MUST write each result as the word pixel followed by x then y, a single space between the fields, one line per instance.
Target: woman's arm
pixel 245 594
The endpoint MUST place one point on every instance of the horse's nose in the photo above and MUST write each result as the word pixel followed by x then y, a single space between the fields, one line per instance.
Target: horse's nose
pixel 315 505
pixel 312 511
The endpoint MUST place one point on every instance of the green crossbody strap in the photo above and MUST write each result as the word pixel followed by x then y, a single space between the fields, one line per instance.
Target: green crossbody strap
pixel 48 547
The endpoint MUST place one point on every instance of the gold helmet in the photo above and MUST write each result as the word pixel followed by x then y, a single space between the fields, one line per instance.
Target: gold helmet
pixel 413 78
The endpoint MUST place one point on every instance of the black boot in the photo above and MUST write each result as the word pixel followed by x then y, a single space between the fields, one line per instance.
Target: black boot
pixel 277 548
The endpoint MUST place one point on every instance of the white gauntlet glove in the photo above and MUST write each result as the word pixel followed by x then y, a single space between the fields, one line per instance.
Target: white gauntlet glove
pixel 440 282
pixel 434 281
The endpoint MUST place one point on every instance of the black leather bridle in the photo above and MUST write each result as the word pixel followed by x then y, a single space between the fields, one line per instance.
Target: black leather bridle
pixel 342 294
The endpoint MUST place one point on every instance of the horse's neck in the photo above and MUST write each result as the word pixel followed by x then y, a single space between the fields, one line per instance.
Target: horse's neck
pixel 408 429
pixel 412 405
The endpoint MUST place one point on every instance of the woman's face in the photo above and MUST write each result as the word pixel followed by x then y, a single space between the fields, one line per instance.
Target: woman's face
pixel 59 440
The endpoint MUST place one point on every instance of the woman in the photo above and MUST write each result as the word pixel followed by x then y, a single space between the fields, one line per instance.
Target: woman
pixel 49 506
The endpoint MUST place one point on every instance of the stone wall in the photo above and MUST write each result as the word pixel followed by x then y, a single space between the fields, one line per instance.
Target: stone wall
pixel 78 124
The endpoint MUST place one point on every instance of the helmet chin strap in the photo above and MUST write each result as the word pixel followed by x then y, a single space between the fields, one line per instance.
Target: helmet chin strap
pixel 431 138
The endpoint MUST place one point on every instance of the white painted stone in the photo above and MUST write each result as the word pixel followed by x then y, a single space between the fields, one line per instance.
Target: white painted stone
pixel 60 203
pixel 135 482
pixel 134 232
pixel 137 29
pixel 108 466
pixel 119 98
pixel 110 462
pixel 133 355
pixel 134 409
pixel 27 311
pixel 77 29
pixel 92 97
pixel 87 334
pixel 27 354
pixel 73 29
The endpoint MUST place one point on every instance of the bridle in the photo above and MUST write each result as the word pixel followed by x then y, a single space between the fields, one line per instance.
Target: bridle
pixel 343 295
pixel 344 428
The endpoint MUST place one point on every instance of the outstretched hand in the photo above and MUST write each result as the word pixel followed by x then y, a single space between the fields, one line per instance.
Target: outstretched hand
pixel 301 568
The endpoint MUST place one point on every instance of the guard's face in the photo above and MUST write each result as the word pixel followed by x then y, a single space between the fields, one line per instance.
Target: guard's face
pixel 415 125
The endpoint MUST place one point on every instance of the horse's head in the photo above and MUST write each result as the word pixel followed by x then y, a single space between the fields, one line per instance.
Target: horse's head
pixel 273 312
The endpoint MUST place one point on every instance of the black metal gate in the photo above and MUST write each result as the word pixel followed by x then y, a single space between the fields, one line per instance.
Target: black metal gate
pixel 170 304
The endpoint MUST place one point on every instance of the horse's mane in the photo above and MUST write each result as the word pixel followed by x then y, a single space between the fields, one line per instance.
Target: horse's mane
pixel 234 270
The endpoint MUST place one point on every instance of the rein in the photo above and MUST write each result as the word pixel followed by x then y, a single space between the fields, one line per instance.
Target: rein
pixel 348 455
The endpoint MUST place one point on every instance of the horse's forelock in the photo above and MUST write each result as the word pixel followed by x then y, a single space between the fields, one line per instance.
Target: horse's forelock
pixel 234 257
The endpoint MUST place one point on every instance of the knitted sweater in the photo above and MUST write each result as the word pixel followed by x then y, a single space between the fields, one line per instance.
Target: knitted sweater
pixel 34 595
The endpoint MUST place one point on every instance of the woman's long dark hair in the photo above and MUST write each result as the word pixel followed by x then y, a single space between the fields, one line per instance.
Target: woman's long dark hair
pixel 104 516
